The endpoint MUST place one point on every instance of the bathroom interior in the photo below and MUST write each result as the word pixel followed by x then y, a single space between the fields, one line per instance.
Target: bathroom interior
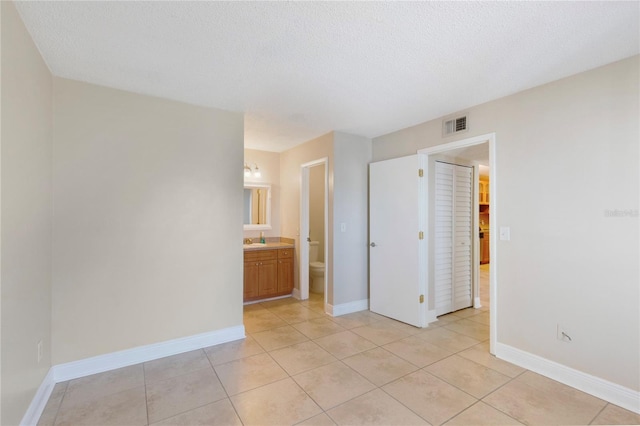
pixel 267 274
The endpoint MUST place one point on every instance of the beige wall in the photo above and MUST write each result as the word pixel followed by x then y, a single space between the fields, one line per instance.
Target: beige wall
pixel 26 217
pixel 566 152
pixel 290 162
pixel 147 220
pixel 316 208
pixel 352 155
pixel 269 164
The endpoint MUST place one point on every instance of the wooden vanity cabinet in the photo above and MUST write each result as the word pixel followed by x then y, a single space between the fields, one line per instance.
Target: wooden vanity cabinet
pixel 267 273
pixel 285 271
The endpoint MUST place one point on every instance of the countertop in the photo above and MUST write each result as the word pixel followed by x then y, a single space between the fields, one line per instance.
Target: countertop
pixel 267 246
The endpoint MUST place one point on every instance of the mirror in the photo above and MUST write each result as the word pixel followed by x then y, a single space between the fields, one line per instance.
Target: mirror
pixel 257 206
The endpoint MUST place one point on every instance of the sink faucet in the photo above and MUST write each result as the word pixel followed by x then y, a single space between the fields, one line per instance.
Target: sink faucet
pixel 248 241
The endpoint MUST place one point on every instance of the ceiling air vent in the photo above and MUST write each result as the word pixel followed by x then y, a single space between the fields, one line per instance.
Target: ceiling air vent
pixel 451 126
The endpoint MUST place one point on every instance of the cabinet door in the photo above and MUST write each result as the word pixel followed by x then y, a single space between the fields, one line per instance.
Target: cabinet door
pixel 268 278
pixel 285 275
pixel 251 271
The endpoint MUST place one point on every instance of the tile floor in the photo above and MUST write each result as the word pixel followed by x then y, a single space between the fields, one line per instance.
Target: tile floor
pixel 300 366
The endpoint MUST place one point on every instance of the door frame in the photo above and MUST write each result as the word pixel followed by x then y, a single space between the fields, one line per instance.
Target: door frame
pixel 493 224
pixel 304 227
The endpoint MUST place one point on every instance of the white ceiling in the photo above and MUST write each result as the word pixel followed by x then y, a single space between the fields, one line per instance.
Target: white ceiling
pixel 300 69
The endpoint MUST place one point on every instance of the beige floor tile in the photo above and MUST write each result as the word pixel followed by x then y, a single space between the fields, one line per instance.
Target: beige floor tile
pixel 379 366
pixel 465 313
pixel 253 307
pixel 445 319
pixel 101 384
pixel 167 398
pixel 279 337
pixel 217 413
pixel 249 373
pixel 481 414
pixel 123 408
pixel 302 357
pixel 470 328
pixel 231 351
pixel 280 403
pixel 293 314
pixel 318 327
pixel 344 344
pixel 480 354
pixel 319 420
pixel 176 365
pixel 614 415
pixel 482 318
pixel 279 302
pixel 447 339
pixel 431 398
pixel 533 399
pixel 257 321
pixel 381 332
pixel 417 351
pixel 48 416
pixel 467 375
pixel 374 408
pixel 333 384
pixel 356 319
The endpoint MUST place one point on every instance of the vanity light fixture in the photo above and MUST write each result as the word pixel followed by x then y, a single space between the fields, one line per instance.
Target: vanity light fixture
pixel 248 171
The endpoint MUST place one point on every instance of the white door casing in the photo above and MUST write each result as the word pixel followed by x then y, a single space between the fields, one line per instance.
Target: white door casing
pixel 395 250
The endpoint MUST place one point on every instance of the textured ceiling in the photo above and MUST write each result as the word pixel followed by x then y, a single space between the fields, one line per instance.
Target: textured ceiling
pixel 300 69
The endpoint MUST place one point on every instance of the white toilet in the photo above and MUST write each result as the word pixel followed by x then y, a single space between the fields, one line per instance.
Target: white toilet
pixel 316 269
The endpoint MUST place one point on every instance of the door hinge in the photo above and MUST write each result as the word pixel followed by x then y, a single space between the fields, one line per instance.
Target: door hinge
pixel 420 172
pixel 421 235
pixel 422 298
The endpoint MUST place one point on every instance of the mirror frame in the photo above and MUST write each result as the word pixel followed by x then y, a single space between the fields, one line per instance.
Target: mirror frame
pixel 266 226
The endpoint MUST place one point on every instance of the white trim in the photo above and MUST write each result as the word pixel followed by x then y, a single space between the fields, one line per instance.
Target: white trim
pixel 39 401
pixel 295 293
pixel 111 361
pixel 476 303
pixel 347 308
pixel 303 269
pixel 600 388
pixel 432 316
pixel 253 302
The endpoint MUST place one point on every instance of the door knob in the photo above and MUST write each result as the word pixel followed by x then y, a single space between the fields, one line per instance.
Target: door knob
pixel 308 239
pixel 372 244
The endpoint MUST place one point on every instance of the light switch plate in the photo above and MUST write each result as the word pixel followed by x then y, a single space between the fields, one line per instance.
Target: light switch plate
pixel 343 227
pixel 505 233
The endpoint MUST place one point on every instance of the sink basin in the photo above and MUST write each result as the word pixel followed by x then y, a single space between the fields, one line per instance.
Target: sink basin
pixel 254 245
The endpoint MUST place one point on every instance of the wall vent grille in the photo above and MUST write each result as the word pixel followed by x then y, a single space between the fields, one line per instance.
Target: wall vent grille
pixel 454 125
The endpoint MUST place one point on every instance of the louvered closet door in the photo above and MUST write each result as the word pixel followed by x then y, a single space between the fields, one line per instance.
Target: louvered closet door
pixel 453 237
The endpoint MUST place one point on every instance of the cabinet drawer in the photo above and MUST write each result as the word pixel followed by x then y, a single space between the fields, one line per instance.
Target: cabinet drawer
pixel 251 256
pixel 285 254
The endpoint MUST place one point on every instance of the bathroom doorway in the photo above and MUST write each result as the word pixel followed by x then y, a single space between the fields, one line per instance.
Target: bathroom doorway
pixel 314 232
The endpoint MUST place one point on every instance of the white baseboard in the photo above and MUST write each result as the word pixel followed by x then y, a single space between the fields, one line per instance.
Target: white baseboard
pixel 111 361
pixel 600 388
pixel 102 363
pixel 39 401
pixel 431 317
pixel 296 294
pixel 347 308
pixel 476 303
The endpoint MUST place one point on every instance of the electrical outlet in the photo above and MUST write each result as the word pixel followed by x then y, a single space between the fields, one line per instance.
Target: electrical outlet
pixel 39 351
pixel 562 334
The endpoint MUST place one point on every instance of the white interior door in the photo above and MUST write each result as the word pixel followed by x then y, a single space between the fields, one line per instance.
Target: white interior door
pixel 394 195
pixel 453 252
